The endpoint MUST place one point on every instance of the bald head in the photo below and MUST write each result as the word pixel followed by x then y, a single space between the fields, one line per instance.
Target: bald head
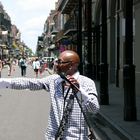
pixel 69 55
pixel 69 62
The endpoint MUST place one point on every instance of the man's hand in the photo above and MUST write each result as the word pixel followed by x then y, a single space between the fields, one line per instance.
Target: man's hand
pixel 75 83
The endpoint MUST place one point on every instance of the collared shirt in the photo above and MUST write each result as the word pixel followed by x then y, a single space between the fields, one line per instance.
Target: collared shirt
pixel 76 129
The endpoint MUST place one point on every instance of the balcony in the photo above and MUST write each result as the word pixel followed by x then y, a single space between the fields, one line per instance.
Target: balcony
pixel 53 30
pixel 66 6
pixel 59 36
pixel 70 27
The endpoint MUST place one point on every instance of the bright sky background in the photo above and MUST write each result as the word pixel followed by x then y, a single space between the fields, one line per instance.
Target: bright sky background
pixel 29 16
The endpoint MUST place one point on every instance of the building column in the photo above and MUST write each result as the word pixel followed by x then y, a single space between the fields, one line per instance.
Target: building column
pixel 129 68
pixel 79 35
pixel 118 47
pixel 89 39
pixel 104 97
pixel 97 39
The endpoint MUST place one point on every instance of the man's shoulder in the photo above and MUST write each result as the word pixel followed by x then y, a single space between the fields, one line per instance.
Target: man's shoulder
pixel 84 78
pixel 53 76
pixel 50 78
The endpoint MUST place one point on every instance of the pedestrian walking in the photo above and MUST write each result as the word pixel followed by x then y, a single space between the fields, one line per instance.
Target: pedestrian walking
pixel 1 66
pixel 14 63
pixel 72 95
pixel 36 66
pixel 54 64
pixel 23 66
pixel 9 66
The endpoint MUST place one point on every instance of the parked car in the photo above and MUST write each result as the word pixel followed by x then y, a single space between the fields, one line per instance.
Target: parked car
pixel 48 59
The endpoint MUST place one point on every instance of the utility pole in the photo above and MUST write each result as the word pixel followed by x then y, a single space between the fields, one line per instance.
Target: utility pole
pixel 104 97
pixel 129 68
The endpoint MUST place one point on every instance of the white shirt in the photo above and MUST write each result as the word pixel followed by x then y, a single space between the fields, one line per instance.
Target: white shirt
pixel 36 64
pixel 76 128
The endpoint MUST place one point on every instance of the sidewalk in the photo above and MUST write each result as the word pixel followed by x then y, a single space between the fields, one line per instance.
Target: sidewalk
pixel 113 116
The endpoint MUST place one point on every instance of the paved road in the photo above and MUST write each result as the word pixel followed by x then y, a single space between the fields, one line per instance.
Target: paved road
pixel 23 113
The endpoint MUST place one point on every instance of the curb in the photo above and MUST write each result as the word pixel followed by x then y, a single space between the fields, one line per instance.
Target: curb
pixel 117 129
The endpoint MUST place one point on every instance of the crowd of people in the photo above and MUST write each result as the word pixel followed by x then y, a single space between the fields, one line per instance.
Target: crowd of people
pixel 8 63
pixel 38 65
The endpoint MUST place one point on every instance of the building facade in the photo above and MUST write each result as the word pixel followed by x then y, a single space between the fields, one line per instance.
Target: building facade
pixel 11 45
pixel 105 33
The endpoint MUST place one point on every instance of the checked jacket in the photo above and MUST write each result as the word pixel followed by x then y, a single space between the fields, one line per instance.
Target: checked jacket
pixel 76 128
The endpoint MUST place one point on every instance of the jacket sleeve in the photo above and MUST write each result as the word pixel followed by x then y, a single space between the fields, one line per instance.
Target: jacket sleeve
pixel 24 83
pixel 89 97
pixel 5 83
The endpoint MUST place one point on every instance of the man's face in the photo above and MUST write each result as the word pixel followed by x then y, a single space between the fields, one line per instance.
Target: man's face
pixel 63 64
pixel 67 63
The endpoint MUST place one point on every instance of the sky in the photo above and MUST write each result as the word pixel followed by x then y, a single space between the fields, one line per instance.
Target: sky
pixel 29 16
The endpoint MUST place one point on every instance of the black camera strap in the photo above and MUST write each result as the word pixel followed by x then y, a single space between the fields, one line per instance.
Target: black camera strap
pixel 66 114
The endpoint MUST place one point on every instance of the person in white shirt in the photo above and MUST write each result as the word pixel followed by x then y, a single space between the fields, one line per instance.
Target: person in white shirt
pixel 75 127
pixel 36 67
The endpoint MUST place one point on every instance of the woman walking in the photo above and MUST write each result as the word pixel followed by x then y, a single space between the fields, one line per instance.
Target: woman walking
pixel 36 66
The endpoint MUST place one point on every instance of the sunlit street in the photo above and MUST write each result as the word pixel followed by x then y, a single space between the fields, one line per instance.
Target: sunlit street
pixel 23 114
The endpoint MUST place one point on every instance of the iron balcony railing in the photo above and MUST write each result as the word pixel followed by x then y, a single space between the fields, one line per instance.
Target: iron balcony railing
pixel 70 25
